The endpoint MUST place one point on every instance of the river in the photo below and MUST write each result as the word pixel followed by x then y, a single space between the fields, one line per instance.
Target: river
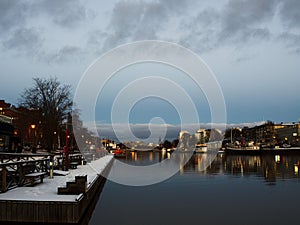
pixel 234 189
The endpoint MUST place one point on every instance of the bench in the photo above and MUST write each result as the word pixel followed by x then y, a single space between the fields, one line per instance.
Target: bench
pixel 34 176
pixel 73 165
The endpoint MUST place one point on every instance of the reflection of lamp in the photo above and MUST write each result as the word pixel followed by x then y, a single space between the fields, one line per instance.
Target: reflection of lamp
pixel 296 169
pixel 51 169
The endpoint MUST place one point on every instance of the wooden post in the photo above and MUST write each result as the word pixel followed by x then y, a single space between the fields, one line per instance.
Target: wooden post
pixel 4 172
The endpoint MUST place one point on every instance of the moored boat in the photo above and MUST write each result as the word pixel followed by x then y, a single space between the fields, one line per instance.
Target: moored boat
pixel 200 148
pixel 243 150
pixel 119 153
pixel 258 150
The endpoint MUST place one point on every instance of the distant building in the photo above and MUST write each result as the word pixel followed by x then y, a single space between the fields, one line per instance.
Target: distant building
pixel 183 133
pixel 273 134
pixel 262 134
pixel 288 133
pixel 184 139
pixel 200 136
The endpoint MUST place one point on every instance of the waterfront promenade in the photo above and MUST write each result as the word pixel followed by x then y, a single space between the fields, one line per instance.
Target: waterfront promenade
pixel 42 203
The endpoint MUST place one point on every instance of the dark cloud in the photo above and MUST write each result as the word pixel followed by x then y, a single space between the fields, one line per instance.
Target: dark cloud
pixel 12 13
pixel 290 13
pixel 244 20
pixel 140 20
pixel 190 23
pixel 25 40
pixel 291 41
pixel 201 32
pixel 65 13
pixel 129 20
pixel 237 23
pixel 15 16
pixel 65 54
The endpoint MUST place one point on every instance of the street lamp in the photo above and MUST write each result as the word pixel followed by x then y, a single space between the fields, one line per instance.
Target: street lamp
pixel 33 126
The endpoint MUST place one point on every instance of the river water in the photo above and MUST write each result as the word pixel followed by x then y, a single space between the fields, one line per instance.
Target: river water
pixel 234 189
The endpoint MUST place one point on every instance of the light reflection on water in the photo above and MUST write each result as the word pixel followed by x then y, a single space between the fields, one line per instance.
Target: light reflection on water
pixel 234 189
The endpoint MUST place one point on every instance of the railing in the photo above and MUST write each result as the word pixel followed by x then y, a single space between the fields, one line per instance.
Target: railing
pixel 16 157
pixel 60 160
pixel 80 158
pixel 13 173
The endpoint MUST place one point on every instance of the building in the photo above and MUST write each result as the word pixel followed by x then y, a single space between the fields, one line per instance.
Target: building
pixel 273 134
pixel 184 139
pixel 26 124
pixel 6 128
pixel 200 136
pixel 6 134
pixel 288 133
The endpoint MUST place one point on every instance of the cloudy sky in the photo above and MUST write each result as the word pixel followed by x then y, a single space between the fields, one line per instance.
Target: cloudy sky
pixel 252 46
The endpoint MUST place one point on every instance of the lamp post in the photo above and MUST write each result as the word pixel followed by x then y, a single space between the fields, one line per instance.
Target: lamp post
pixel 67 140
pixel 33 126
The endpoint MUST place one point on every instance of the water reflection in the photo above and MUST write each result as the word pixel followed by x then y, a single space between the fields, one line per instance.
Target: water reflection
pixel 231 190
pixel 270 167
pixel 144 158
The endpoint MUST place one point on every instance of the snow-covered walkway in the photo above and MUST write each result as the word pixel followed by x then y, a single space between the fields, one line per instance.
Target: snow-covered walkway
pixel 47 191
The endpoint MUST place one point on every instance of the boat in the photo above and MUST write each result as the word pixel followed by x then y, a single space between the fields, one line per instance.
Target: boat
pixel 118 153
pixel 243 150
pixel 200 148
pixel 259 150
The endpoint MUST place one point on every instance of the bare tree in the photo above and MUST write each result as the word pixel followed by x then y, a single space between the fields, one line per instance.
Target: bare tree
pixel 51 99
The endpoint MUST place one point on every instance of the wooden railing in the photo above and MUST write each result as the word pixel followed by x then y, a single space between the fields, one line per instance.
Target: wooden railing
pixel 13 173
pixel 15 157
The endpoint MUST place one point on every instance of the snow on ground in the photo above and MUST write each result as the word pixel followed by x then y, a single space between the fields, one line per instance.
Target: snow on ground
pixel 47 191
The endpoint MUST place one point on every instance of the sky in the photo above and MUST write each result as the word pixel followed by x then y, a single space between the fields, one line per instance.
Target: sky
pixel 252 47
